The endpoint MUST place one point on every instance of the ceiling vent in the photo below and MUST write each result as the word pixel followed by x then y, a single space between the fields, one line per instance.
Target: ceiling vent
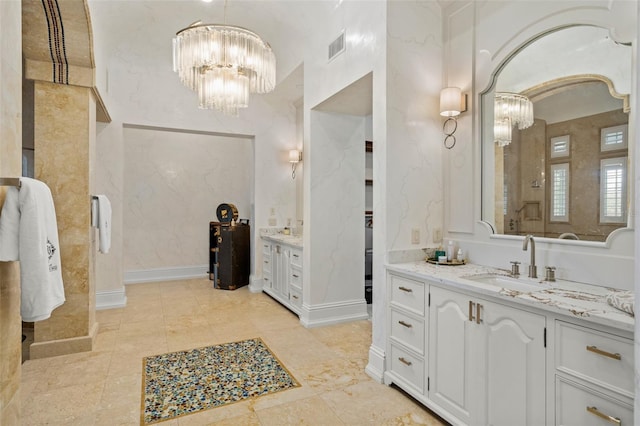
pixel 337 46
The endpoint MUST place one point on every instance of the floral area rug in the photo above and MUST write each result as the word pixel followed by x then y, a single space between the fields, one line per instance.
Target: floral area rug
pixel 185 382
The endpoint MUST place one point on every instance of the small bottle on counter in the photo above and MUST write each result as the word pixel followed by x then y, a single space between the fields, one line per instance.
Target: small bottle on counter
pixel 450 252
pixel 460 256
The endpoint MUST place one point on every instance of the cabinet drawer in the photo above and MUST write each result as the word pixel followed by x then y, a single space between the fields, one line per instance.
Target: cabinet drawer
pixel 266 249
pixel 295 298
pixel 407 330
pixel 600 358
pixel 296 258
pixel 580 406
pixel 408 293
pixel 408 367
pixel 266 265
pixel 295 277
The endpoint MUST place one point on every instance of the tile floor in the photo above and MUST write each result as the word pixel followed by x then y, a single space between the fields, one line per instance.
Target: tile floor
pixel 103 387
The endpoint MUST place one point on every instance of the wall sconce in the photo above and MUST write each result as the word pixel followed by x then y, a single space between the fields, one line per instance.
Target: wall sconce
pixel 452 103
pixel 295 157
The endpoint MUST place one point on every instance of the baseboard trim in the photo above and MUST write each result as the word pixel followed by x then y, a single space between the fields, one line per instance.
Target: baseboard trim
pixel 333 313
pixel 166 274
pixel 64 346
pixel 255 284
pixel 375 367
pixel 111 299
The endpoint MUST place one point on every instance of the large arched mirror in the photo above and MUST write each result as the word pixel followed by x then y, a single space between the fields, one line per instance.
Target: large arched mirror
pixel 555 130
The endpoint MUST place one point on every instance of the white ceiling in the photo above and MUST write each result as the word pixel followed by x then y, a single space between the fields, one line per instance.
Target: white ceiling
pixel 146 27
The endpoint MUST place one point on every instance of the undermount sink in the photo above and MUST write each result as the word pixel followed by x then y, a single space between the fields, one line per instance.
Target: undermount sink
pixel 525 285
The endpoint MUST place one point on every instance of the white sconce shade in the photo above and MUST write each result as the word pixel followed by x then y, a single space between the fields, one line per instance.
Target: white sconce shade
pixel 295 156
pixel 450 101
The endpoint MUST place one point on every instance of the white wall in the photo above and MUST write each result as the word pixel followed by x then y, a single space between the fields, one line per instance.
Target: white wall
pixel 173 183
pixel 135 71
pixel 109 175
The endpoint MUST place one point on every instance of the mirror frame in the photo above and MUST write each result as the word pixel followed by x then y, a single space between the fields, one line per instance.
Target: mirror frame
pixel 484 137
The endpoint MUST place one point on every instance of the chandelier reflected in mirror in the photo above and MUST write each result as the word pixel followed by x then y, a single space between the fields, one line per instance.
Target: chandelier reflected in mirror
pixel 510 109
pixel 223 64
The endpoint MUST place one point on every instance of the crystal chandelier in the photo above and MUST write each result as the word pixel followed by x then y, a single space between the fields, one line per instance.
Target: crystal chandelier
pixel 510 109
pixel 223 64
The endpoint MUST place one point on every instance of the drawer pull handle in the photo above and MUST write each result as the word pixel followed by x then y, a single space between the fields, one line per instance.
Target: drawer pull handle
pixel 471 305
pixel 405 324
pixel 478 307
pixel 295 297
pixel 404 361
pixel 295 255
pixel 408 290
pixel 295 276
pixel 594 349
pixel 266 261
pixel 596 412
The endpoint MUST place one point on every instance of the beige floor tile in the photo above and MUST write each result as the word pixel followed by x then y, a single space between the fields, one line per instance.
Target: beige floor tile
pixel 367 403
pixel 118 415
pixel 62 405
pixel 104 387
pixel 244 420
pixel 311 411
pixel 120 391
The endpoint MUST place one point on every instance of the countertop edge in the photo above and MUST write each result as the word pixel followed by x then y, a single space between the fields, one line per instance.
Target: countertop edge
pixel 291 240
pixel 550 300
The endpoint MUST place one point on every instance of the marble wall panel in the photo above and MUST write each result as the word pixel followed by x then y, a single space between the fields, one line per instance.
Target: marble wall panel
pixel 10 166
pixel 336 224
pixel 173 183
pixel 64 144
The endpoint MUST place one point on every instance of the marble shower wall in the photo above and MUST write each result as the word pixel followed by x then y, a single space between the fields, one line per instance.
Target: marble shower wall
pixel 173 183
pixel 10 165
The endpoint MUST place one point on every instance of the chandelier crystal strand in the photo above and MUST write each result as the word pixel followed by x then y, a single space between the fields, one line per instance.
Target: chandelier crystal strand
pixel 510 109
pixel 223 64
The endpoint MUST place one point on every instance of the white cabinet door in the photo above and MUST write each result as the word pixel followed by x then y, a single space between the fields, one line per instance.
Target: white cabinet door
pixel 489 371
pixel 512 359
pixel 450 352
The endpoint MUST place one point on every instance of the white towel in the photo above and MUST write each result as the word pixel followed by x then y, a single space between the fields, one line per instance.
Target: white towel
pixel 29 233
pixel 104 223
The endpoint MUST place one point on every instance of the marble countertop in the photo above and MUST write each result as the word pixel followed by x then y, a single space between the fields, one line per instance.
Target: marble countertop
pixel 292 240
pixel 587 302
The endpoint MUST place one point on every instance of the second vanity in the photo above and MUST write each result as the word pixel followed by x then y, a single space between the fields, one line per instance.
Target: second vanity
pixel 531 353
pixel 282 269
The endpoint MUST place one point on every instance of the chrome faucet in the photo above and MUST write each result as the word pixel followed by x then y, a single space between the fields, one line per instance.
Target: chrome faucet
pixel 533 272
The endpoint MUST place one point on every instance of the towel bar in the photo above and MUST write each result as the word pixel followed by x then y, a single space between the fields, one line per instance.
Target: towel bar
pixel 10 181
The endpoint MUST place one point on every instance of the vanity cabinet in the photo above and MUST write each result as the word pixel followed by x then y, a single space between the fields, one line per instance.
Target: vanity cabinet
pixel 479 360
pixel 282 274
pixel 472 360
